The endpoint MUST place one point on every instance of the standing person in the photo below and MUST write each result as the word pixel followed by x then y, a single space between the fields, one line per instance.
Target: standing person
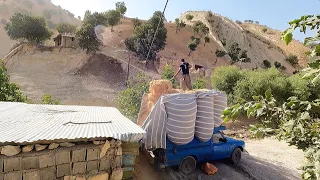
pixel 185 81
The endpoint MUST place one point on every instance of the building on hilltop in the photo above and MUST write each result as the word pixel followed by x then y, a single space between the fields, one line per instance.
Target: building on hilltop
pixel 67 41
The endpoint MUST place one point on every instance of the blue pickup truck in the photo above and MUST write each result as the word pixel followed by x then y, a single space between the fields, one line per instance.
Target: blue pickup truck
pixel 187 156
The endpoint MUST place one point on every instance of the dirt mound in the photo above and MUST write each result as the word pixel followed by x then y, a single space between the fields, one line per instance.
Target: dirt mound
pixel 107 68
pixel 68 74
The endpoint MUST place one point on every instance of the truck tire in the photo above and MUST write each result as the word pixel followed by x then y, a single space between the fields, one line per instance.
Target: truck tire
pixel 236 156
pixel 188 165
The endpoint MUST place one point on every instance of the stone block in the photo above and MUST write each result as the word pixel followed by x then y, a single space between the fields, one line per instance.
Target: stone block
pixel 118 161
pixel 63 170
pixel 53 146
pixel 46 160
pixel 63 157
pixel 40 147
pixel 66 144
pixel 12 164
pixel 79 168
pixel 30 163
pixel 1 176
pixel 104 176
pixel 93 153
pixel 92 165
pixel 48 173
pixel 119 151
pixel 104 149
pixel 117 174
pixel 13 176
pixel 79 155
pixel 31 175
pixel 104 164
pixel 69 177
pixel 10 150
pixel 111 152
pixel 27 148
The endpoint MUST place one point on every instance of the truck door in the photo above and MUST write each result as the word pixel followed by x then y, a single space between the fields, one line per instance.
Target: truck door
pixel 221 150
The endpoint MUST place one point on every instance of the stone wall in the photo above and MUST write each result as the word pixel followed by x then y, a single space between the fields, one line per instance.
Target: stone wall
pixel 80 161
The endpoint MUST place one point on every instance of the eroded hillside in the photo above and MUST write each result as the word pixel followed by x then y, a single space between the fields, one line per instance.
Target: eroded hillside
pixel 260 45
pixel 34 7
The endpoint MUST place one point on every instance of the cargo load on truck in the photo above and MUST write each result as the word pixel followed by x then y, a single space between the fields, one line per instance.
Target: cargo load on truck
pixel 181 116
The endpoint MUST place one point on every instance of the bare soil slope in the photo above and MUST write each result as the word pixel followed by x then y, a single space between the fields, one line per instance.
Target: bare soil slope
pixel 68 74
pixel 10 7
pixel 260 46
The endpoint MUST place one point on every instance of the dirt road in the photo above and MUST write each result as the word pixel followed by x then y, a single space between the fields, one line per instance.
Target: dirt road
pixel 259 163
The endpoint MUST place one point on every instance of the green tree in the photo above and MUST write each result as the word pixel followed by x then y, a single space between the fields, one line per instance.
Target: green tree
pixel 129 100
pixel 234 51
pixel 87 38
pixel 177 21
pixel 206 40
pixel 168 73
pixel 86 34
pixel 192 46
pixel 48 99
pixel 277 64
pixel 204 30
pixel 219 53
pixel 9 91
pixel 79 17
pixel 121 7
pixel 199 83
pixel 266 64
pixel 113 18
pixel 264 30
pixel 26 27
pixel 66 28
pixel 313 23
pixel 292 59
pixel 136 22
pixel 189 17
pixel 143 35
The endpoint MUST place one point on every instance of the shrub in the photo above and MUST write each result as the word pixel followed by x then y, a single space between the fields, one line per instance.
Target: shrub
pixel 168 73
pixel 129 100
pixel 225 78
pixel 266 64
pixel 189 17
pixel 199 83
pixel 256 83
pixel 277 64
pixel 292 59
pixel 238 22
pixel 48 99
pixel 264 30
pixel 9 91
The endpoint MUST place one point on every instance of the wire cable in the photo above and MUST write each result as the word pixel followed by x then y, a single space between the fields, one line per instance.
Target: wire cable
pixel 155 34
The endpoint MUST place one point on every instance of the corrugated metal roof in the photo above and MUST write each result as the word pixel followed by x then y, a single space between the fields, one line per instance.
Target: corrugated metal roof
pixel 26 123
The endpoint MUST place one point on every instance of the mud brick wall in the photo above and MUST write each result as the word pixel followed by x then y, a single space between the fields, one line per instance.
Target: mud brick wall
pixel 79 160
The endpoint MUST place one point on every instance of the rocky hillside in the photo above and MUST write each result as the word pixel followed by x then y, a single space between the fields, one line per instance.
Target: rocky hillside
pixel 260 45
pixel 35 7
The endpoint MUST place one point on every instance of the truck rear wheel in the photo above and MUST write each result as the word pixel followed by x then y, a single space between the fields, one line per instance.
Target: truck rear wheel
pixel 236 156
pixel 188 165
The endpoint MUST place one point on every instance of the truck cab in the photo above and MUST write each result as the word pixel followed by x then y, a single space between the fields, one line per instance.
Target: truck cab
pixel 187 156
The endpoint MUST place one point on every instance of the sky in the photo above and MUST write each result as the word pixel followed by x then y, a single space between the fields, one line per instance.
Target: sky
pixel 273 13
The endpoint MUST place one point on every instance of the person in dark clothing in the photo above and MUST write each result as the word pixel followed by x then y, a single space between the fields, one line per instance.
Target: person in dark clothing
pixel 185 81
